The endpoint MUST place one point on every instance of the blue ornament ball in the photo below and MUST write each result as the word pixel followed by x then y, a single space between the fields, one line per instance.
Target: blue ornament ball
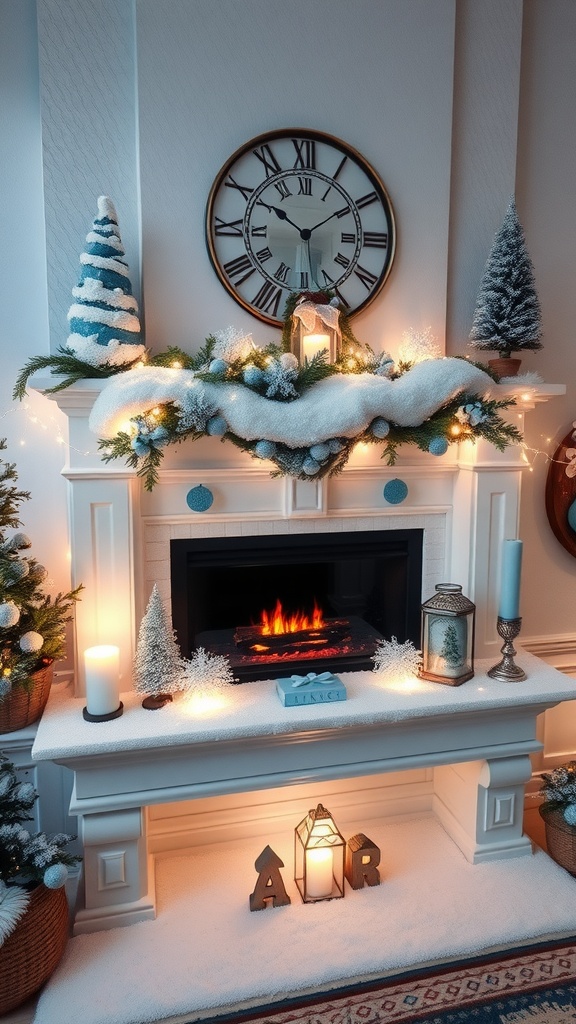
pixel 265 449
pixel 570 814
pixel 320 452
pixel 253 376
pixel 218 366
pixel 216 426
pixel 438 446
pixel 310 466
pixel 55 876
pixel 199 499
pixel 395 491
pixel 571 516
pixel 380 427
pixel 334 445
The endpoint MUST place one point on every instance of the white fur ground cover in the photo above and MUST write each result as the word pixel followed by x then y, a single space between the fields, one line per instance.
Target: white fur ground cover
pixel 206 952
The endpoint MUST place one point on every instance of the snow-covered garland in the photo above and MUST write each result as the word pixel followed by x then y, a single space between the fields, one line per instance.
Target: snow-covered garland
pixel 305 419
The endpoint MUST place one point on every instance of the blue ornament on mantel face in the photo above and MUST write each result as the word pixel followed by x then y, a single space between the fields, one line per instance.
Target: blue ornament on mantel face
pixel 199 499
pixel 218 366
pixel 265 449
pixel 380 427
pixel 438 446
pixel 571 516
pixel 395 491
pixel 216 426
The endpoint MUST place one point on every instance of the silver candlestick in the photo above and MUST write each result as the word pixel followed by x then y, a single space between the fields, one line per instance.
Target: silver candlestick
pixel 507 670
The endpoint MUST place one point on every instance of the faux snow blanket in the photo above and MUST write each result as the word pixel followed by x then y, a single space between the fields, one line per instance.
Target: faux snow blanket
pixel 340 406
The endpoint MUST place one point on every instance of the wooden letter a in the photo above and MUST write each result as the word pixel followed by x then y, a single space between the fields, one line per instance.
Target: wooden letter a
pixel 269 885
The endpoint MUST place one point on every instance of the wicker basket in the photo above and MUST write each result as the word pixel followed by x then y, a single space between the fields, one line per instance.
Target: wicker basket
pixel 21 706
pixel 35 947
pixel 560 838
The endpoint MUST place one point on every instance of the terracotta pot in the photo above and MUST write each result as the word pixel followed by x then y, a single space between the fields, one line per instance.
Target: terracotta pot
pixel 505 367
pixel 22 706
pixel 34 949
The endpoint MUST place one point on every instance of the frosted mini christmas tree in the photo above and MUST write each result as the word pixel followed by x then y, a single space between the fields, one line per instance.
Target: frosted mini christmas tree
pixel 157 665
pixel 104 320
pixel 507 317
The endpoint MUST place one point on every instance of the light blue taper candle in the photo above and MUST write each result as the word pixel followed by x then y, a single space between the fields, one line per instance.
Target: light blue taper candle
pixel 510 579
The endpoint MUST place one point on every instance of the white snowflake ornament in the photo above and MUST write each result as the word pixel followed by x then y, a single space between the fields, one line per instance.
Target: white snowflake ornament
pixel 396 662
pixel 232 344
pixel 205 673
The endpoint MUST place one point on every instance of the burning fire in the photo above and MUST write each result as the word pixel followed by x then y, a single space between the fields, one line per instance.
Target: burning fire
pixel 277 622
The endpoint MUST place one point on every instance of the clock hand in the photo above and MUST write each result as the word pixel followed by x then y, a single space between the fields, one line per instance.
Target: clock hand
pixel 282 215
pixel 325 221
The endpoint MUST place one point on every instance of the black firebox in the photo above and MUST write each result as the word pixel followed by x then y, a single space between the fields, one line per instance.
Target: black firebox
pixel 341 592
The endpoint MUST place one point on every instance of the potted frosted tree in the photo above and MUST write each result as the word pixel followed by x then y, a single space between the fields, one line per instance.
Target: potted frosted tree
pixel 33 903
pixel 157 663
pixel 507 317
pixel 32 623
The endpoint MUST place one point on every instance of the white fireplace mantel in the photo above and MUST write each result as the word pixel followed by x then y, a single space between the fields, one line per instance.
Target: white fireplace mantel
pixel 466 502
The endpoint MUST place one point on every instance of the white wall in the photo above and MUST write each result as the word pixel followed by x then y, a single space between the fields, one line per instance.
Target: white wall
pixel 31 429
pixel 151 98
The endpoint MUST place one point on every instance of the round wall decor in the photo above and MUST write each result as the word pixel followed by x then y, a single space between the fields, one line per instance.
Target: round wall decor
pixel 561 492
pixel 298 210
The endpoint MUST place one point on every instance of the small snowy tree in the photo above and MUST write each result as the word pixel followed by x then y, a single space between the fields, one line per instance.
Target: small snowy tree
pixel 157 665
pixel 450 648
pixel 507 317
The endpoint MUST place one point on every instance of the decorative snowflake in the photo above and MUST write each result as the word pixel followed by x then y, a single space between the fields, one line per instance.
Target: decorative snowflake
pixel 196 411
pixel 280 380
pixel 205 673
pixel 416 346
pixel 393 660
pixel 232 344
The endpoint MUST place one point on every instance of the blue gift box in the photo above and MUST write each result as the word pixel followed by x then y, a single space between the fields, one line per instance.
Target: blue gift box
pixel 313 688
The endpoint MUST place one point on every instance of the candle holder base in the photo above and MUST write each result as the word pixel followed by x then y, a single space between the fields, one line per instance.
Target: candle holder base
pixel 507 670
pixel 89 717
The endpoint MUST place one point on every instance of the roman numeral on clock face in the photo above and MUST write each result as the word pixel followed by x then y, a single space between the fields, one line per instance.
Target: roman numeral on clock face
pixel 264 254
pixel 343 261
pixel 282 272
pixel 268 298
pixel 265 154
pixel 368 279
pixel 259 231
pixel 305 186
pixel 370 197
pixel 305 153
pixel 376 239
pixel 236 269
pixel 282 189
pixel 244 189
pixel 221 227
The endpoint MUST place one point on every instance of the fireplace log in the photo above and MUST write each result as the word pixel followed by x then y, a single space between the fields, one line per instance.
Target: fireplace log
pixel 251 639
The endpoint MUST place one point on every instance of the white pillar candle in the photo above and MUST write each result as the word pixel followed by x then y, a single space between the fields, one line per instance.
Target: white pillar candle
pixel 510 580
pixel 319 871
pixel 102 666
pixel 314 343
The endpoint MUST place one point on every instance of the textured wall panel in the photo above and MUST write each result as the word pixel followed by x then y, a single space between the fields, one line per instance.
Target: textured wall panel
pixel 87 82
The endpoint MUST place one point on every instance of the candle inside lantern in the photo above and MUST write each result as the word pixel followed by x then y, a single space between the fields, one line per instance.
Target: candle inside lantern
pixel 319 871
pixel 510 579
pixel 102 666
pixel 314 343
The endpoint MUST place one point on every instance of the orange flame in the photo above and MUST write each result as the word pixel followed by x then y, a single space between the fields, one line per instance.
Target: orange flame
pixel 276 622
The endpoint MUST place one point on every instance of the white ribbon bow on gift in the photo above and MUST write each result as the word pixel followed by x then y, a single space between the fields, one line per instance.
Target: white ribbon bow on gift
pixel 312 677
pixel 307 311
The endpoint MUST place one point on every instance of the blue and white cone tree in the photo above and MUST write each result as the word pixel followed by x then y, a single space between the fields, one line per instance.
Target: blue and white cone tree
pixel 104 323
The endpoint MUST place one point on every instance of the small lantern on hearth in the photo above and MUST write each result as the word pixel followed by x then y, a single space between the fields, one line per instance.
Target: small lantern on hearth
pixel 448 636
pixel 319 852
pixel 315 328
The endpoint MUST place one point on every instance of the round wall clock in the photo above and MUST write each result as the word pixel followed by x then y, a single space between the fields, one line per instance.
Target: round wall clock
pixel 298 210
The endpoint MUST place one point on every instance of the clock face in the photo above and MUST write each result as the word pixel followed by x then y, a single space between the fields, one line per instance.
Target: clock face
pixel 296 210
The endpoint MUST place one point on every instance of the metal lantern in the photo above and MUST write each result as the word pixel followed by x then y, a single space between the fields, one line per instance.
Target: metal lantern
pixel 448 636
pixel 314 329
pixel 319 852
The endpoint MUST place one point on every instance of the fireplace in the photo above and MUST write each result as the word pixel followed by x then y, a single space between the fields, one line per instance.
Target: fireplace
pixel 308 602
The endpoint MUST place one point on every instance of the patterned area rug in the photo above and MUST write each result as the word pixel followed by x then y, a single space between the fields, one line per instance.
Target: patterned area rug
pixel 538 987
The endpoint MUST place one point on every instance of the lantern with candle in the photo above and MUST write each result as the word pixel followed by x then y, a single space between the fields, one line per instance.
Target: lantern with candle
pixel 448 636
pixel 315 328
pixel 319 854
